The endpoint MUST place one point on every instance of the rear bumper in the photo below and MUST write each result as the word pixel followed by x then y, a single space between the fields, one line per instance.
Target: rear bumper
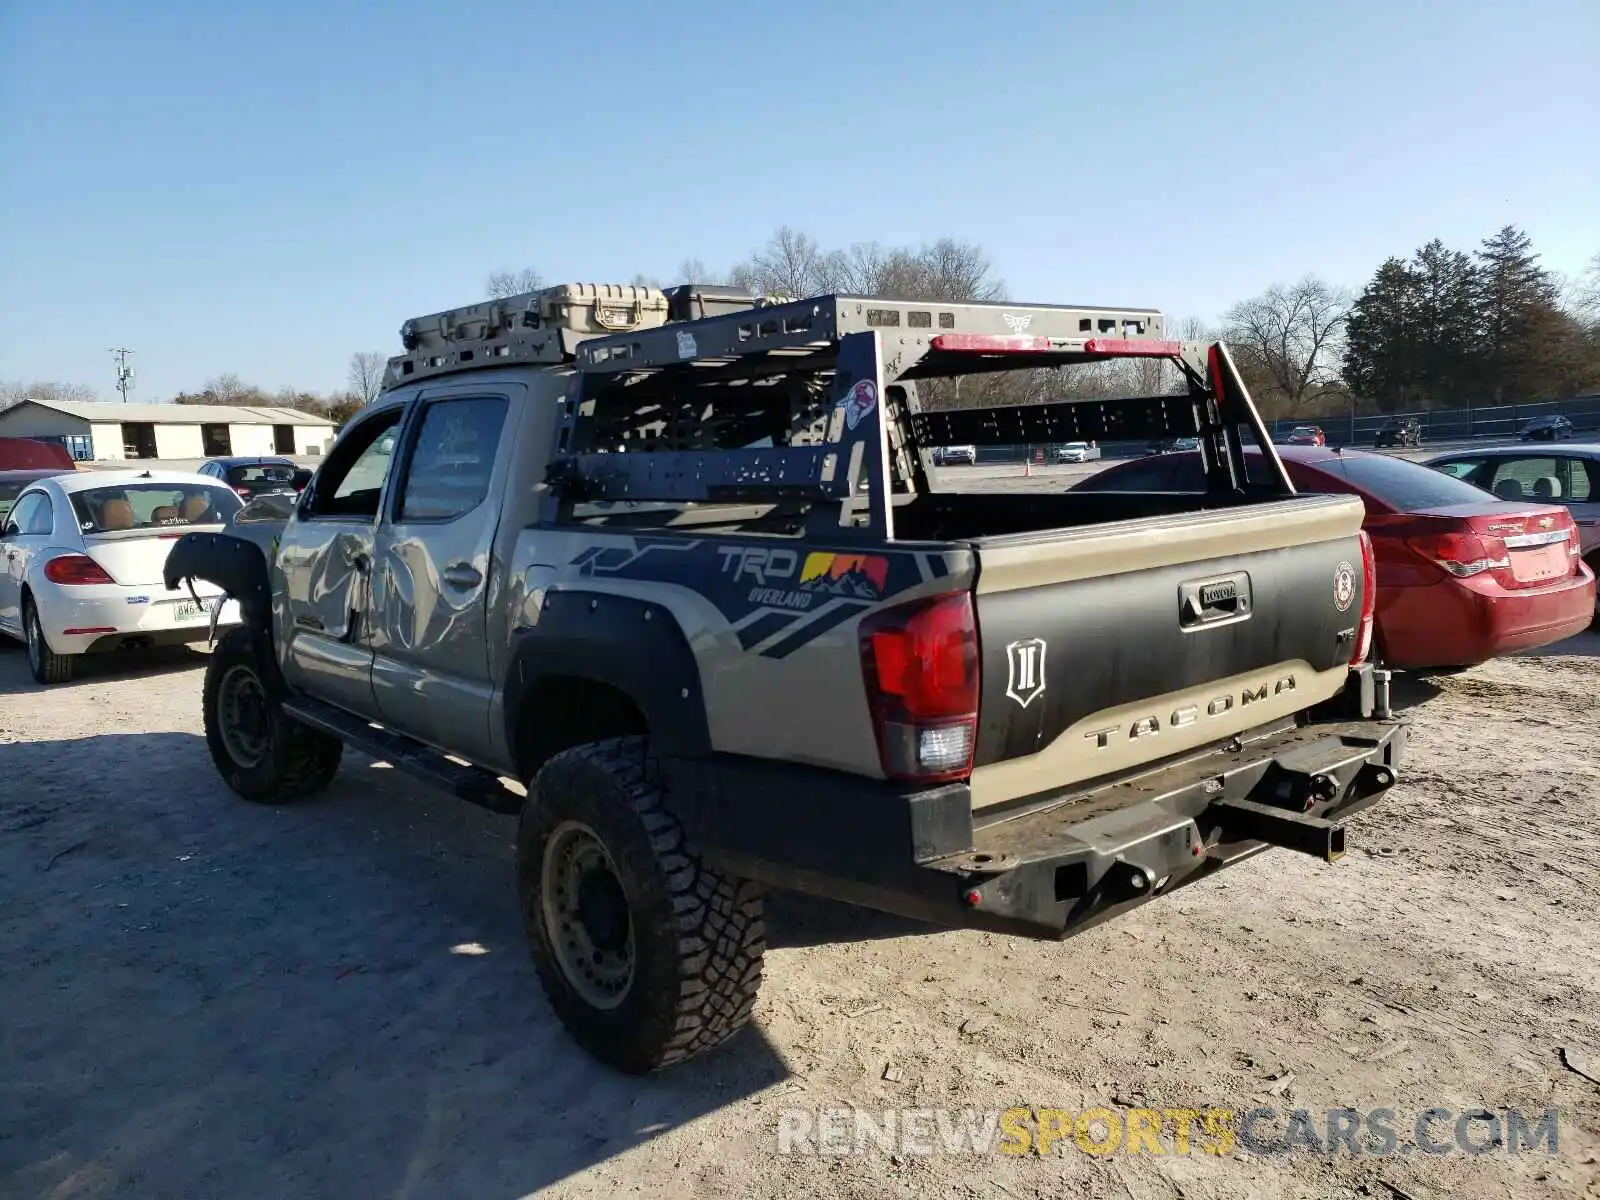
pixel 1459 623
pixel 98 619
pixel 1062 864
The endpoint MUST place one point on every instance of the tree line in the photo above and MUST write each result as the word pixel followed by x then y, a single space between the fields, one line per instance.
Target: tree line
pixel 1442 328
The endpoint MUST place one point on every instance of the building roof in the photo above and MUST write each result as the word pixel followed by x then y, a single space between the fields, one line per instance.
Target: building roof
pixel 180 414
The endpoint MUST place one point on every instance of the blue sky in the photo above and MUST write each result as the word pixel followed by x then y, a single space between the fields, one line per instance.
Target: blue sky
pixel 266 188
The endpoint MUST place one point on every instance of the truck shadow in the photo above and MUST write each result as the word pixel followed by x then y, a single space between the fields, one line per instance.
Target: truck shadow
pixel 207 997
pixel 795 921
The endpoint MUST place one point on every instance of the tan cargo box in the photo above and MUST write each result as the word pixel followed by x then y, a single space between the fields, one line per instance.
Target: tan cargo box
pixel 545 326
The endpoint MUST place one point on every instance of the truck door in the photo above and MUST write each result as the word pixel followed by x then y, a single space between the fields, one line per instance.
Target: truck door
pixel 434 566
pixel 326 555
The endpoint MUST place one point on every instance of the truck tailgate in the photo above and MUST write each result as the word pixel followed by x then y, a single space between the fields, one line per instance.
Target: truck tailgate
pixel 1108 647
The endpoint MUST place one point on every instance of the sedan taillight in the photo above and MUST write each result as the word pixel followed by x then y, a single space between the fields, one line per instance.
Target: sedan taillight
pixel 73 569
pixel 1461 552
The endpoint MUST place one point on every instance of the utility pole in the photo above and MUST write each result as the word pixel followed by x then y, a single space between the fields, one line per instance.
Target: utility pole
pixel 124 371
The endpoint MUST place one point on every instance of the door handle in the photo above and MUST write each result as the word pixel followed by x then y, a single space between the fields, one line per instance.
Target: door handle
pixel 461 575
pixel 357 561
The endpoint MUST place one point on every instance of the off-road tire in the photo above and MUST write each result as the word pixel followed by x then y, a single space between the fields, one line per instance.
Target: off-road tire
pixel 44 664
pixel 296 762
pixel 698 935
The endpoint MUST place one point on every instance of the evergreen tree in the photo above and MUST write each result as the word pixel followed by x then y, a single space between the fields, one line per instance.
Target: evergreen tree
pixel 1516 307
pixel 1445 330
pixel 1380 356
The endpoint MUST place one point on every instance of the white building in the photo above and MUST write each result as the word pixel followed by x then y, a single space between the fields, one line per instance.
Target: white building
pixel 168 431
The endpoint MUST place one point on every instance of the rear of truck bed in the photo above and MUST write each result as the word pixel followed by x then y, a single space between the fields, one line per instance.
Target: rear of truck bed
pixel 1023 710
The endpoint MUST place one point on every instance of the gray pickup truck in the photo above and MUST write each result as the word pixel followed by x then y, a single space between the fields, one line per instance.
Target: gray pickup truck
pixel 679 566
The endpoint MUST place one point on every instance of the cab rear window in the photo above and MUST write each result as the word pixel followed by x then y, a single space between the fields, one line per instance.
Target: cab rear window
pixel 269 473
pixel 120 507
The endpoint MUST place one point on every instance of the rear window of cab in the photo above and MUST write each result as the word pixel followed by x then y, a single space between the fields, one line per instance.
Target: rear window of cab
pixel 139 506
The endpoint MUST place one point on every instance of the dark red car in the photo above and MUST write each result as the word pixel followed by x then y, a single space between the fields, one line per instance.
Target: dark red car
pixel 1307 435
pixel 1463 576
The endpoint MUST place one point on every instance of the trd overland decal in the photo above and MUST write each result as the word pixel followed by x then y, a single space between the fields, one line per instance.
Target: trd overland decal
pixel 777 598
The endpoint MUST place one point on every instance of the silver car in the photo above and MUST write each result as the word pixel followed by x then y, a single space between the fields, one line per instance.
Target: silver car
pixel 1567 474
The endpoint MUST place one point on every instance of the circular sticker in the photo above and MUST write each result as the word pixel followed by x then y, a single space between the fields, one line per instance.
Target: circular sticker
pixel 1344 585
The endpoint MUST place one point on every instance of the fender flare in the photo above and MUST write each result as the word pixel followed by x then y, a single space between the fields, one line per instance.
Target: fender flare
pixel 631 645
pixel 238 566
pixel 235 564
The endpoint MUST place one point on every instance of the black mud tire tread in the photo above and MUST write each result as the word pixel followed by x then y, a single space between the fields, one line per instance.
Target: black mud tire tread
pixel 300 761
pixel 699 935
pixel 53 667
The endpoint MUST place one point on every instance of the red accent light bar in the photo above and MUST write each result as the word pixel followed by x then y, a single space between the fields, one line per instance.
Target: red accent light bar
pixel 91 629
pixel 993 343
pixel 1132 347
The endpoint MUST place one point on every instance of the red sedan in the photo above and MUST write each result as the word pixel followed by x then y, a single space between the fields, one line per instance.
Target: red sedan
pixel 1307 435
pixel 1463 576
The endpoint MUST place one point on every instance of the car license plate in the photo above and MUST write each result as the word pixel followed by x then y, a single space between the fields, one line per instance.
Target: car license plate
pixel 188 610
pixel 1537 566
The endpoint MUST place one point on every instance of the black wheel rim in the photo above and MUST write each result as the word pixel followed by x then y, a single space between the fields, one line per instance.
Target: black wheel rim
pixel 585 913
pixel 243 717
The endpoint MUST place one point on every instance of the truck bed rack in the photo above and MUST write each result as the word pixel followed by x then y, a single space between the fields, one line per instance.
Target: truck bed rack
pixel 751 406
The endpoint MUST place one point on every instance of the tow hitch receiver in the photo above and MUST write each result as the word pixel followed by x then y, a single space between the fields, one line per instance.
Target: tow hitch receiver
pixel 1246 820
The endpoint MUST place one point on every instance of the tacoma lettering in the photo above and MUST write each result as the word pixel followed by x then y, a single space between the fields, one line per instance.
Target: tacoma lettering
pixel 1189 714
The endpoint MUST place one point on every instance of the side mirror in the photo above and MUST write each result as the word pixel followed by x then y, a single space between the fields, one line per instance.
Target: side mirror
pixel 11 530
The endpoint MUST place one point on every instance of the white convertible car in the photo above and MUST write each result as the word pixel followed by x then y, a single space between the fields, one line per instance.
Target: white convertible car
pixel 80 564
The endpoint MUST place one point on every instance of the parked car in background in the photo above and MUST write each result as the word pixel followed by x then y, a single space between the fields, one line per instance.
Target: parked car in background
pixel 1077 452
pixel 12 483
pixel 945 456
pixel 1398 431
pixel 1173 446
pixel 1546 429
pixel 1569 476
pixel 81 554
pixel 34 454
pixel 1306 435
pixel 1463 576
pixel 250 477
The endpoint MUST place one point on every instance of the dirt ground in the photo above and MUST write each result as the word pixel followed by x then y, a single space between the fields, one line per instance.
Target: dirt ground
pixel 203 998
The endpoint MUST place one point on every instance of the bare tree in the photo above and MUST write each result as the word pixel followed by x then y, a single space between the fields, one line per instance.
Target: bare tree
pixel 694 270
pixel 791 265
pixel 367 368
pixel 1581 295
pixel 16 393
pixel 502 285
pixel 1289 340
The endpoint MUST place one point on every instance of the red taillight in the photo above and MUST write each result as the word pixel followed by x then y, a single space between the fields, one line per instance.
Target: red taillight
pixel 1462 552
pixel 75 569
pixel 242 491
pixel 920 663
pixel 1369 600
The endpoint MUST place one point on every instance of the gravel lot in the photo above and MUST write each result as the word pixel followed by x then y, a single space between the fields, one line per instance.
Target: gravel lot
pixel 206 998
